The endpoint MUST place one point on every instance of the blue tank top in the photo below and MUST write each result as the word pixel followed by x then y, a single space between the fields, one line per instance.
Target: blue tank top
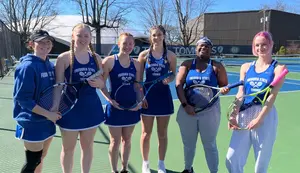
pixel 156 68
pixel 120 75
pixel 81 72
pixel 255 82
pixel 208 77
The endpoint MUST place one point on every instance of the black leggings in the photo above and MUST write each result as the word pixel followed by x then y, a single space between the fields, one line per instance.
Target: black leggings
pixel 33 159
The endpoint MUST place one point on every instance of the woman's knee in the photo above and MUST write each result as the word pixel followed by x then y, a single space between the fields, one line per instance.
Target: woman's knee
pixel 115 142
pixel 162 133
pixel 68 148
pixel 126 140
pixel 146 135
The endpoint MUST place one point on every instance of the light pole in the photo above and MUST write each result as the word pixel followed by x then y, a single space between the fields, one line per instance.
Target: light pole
pixel 264 20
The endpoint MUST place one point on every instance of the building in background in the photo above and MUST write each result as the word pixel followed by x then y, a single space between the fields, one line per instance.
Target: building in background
pixel 238 28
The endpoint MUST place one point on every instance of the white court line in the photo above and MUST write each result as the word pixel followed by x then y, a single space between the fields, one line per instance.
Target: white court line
pixel 292 83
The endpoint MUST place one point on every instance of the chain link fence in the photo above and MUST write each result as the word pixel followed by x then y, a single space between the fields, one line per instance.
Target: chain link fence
pixel 10 47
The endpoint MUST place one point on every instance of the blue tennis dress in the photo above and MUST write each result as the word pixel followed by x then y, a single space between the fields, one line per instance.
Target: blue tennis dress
pixel 118 75
pixel 87 112
pixel 159 98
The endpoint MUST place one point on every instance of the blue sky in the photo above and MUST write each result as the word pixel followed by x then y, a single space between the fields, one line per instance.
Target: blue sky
pixel 240 5
pixel 219 6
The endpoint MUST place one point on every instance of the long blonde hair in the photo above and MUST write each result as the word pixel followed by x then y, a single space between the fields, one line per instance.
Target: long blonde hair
pixel 125 34
pixel 72 54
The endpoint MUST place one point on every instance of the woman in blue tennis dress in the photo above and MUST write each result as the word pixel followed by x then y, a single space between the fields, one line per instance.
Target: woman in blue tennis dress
pixel 74 66
pixel 122 71
pixel 156 62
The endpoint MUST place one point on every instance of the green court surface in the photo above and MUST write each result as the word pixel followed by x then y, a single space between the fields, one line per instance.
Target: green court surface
pixel 285 159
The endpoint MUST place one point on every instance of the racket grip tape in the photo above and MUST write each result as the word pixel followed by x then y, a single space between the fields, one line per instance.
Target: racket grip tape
pixel 234 85
pixel 277 79
pixel 98 73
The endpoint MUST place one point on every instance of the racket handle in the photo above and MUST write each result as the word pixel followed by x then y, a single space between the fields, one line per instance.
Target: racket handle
pixel 98 73
pixel 277 79
pixel 234 85
pixel 165 76
pixel 168 75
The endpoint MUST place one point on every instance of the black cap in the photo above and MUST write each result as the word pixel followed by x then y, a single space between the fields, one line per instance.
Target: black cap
pixel 39 35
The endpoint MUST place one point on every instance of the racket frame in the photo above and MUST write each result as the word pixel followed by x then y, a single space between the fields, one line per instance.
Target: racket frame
pixel 153 82
pixel 266 90
pixel 212 100
pixel 81 83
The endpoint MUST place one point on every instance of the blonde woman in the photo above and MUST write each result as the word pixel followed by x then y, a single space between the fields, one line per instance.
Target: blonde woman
pixel 73 66
pixel 120 68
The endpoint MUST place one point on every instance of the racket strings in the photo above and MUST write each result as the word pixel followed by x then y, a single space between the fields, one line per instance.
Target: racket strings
pixel 246 116
pixel 199 97
pixel 46 100
pixel 60 98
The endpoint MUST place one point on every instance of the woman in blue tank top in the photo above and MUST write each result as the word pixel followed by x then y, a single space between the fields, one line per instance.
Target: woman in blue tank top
pixel 73 66
pixel 120 68
pixel 156 61
pixel 262 130
pixel 209 72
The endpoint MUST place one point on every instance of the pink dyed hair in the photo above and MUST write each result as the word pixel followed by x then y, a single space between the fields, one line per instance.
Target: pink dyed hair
pixel 264 34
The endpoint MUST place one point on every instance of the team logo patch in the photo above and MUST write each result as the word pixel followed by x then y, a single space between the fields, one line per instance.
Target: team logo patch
pixel 85 74
pixel 256 84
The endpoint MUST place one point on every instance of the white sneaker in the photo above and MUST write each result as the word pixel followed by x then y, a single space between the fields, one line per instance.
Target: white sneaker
pixel 161 168
pixel 146 168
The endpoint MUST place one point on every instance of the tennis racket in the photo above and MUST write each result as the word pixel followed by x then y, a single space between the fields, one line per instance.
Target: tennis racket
pixel 138 93
pixel 62 97
pixel 245 113
pixel 202 96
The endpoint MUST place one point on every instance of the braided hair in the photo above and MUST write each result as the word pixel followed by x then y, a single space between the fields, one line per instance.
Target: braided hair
pixel 72 54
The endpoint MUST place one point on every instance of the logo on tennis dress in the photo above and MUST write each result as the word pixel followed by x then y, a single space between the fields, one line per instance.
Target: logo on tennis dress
pixel 255 85
pixel 126 78
pixel 85 74
pixel 157 68
pixel 195 82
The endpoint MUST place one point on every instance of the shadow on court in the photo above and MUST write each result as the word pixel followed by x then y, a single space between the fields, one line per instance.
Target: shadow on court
pixel 58 136
pixel 6 98
pixel 168 171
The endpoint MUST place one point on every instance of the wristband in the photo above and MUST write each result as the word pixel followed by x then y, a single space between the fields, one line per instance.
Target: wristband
pixel 183 105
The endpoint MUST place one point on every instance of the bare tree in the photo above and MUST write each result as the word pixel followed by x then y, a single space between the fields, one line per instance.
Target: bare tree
pixel 101 14
pixel 154 12
pixel 173 36
pixel 282 6
pixel 279 5
pixel 159 12
pixel 23 16
pixel 189 15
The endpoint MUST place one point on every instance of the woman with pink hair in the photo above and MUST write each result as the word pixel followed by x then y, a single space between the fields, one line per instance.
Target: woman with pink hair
pixel 261 133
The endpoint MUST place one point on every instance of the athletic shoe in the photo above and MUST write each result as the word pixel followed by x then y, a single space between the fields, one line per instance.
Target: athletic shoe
pixel 161 168
pixel 188 171
pixel 146 168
